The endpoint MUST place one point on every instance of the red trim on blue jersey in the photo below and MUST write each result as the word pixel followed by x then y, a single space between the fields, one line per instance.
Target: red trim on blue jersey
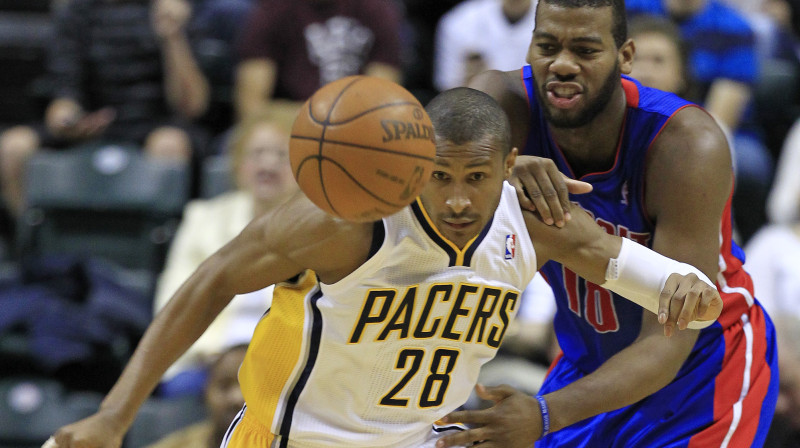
pixel 739 429
pixel 631 93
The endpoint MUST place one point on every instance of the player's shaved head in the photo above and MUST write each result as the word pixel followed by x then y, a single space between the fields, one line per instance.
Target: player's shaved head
pixel 462 115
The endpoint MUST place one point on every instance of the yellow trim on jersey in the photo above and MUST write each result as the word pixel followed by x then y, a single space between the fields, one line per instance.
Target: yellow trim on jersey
pixel 459 252
pixel 275 357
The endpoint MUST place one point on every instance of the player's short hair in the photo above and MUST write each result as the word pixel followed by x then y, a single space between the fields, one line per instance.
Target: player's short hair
pixel 462 115
pixel 620 26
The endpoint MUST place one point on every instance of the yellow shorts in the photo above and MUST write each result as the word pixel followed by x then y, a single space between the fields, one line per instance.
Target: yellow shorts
pixel 246 432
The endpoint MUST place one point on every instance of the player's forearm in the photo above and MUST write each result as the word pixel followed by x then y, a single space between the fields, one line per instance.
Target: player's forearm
pixel 631 375
pixel 172 332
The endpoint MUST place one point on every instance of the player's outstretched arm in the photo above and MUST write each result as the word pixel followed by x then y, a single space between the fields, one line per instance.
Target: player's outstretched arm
pixel 271 249
pixel 516 419
pixel 678 293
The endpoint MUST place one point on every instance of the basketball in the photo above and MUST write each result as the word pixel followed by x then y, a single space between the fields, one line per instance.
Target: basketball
pixel 362 148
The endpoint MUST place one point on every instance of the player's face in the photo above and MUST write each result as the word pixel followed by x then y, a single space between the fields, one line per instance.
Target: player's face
pixel 465 187
pixel 575 62
pixel 265 170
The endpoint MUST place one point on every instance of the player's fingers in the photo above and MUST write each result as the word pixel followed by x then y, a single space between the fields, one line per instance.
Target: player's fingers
pixel 678 299
pixel 665 298
pixel 577 186
pixel 471 417
pixel 494 393
pixel 464 438
pixel 692 298
pixel 710 306
pixel 554 192
pixel 522 194
pixel 50 443
pixel 540 191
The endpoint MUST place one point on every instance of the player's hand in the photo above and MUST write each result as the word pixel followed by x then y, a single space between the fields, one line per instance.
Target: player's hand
pixel 97 431
pixel 514 421
pixel 543 188
pixel 686 298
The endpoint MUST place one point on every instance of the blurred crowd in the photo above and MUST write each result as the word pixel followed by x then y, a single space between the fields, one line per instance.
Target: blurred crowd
pixel 138 136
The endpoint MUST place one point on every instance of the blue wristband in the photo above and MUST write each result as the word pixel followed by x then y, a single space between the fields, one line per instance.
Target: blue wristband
pixel 545 415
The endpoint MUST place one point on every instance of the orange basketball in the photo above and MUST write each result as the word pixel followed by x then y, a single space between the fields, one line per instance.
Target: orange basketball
pixel 362 148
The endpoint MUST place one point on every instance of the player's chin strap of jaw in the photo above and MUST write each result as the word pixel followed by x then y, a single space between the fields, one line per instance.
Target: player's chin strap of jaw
pixel 639 274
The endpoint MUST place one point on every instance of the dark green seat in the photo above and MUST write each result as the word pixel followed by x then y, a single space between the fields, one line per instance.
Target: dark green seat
pixel 217 176
pixel 106 201
pixel 31 409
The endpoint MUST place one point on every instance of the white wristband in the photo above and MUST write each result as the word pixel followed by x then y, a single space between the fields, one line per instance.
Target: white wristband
pixel 639 274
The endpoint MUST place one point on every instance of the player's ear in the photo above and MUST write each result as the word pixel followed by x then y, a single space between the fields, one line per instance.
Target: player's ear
pixel 508 164
pixel 625 55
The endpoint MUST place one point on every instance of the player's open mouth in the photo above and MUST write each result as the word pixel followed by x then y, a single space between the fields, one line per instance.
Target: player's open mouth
pixel 563 95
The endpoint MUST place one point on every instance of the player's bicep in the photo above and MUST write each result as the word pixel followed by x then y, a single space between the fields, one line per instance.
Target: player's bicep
pixel 689 180
pixel 253 260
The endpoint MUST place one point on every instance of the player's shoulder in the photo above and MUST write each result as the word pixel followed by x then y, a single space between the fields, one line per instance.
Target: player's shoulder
pixel 691 141
pixel 298 216
pixel 312 238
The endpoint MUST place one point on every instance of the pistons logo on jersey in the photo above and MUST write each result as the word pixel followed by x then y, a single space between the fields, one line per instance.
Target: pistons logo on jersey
pixel 511 246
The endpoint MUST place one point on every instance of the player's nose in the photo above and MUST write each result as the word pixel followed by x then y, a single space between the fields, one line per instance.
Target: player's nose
pixel 564 65
pixel 458 201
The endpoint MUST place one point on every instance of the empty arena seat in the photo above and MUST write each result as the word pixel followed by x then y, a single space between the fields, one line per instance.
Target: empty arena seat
pixel 31 409
pixel 107 201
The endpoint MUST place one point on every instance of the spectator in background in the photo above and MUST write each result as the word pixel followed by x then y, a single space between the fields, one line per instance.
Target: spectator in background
pixel 263 176
pixel 223 399
pixel 122 70
pixel 724 64
pixel 215 30
pixel 773 260
pixel 291 48
pixel 660 60
pixel 480 35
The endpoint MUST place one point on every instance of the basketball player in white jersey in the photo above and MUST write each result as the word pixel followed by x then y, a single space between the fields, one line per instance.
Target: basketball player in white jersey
pixel 384 326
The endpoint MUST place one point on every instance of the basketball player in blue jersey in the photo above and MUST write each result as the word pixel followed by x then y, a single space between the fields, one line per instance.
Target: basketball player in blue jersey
pixel 661 174
pixel 388 333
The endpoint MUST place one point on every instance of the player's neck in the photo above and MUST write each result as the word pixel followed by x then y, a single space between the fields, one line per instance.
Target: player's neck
pixel 593 148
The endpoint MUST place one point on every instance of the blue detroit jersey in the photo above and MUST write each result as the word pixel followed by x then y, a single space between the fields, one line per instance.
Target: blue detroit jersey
pixel 592 323
pixel 725 393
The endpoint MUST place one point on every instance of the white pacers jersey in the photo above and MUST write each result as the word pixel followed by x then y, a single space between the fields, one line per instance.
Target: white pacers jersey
pixel 374 359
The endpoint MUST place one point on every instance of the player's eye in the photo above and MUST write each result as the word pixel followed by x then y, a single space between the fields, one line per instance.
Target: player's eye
pixel 546 48
pixel 440 175
pixel 475 177
pixel 585 51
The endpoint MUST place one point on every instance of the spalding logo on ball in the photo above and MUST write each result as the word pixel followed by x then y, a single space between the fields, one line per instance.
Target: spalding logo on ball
pixel 362 148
